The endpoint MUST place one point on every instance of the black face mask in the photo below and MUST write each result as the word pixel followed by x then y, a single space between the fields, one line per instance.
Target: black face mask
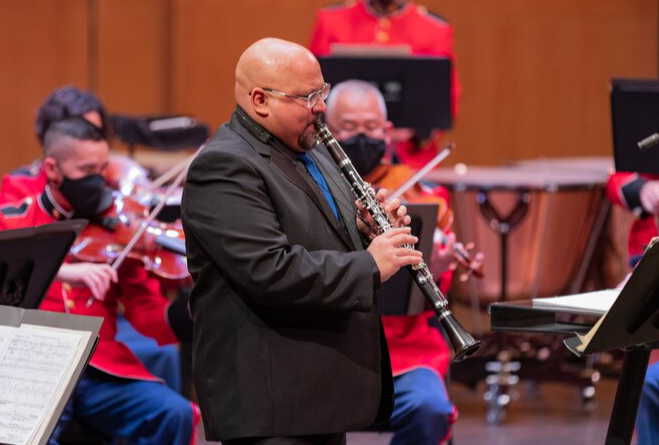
pixel 88 195
pixel 364 152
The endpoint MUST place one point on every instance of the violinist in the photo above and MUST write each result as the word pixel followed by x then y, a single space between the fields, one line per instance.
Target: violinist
pixel 117 394
pixel 63 103
pixel 357 116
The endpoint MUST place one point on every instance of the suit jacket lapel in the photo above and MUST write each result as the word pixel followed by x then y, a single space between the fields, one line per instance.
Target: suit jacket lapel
pixel 271 148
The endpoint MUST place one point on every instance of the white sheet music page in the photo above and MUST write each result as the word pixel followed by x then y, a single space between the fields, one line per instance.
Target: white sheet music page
pixel 35 364
pixel 589 303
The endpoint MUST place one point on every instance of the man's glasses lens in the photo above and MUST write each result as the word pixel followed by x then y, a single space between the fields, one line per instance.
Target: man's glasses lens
pixel 318 95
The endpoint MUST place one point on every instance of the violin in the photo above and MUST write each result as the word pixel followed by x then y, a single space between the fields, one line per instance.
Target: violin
pixel 127 176
pixel 161 248
pixel 128 229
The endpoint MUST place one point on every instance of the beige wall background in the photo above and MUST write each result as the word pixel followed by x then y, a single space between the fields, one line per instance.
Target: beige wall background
pixel 535 73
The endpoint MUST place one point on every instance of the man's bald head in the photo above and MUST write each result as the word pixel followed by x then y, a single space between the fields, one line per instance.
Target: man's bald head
pixel 272 78
pixel 271 63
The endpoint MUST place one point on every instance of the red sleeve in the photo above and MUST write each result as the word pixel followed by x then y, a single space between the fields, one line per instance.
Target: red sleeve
pixel 624 189
pixel 144 305
pixel 11 189
pixel 15 187
pixel 20 214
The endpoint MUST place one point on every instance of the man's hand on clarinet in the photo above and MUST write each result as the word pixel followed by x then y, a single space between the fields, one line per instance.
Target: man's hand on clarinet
pixel 387 248
pixel 396 212
pixel 389 254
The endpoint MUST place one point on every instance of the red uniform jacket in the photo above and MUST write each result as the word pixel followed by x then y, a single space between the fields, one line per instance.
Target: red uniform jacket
pixel 624 189
pixel 425 33
pixel 355 23
pixel 144 306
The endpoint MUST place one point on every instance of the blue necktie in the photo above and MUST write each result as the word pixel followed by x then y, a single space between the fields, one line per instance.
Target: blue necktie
pixel 312 168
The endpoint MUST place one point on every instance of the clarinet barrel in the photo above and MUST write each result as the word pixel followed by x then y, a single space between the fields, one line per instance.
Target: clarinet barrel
pixel 461 341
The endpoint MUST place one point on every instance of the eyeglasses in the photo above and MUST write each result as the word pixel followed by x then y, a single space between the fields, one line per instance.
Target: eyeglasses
pixel 311 100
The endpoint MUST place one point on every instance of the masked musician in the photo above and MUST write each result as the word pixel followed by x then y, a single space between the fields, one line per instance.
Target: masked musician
pixel 357 116
pixel 390 23
pixel 288 347
pixel 639 194
pixel 117 394
pixel 62 103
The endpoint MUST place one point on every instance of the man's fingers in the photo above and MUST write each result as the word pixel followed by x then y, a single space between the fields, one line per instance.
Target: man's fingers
pixel 94 286
pixel 111 273
pixel 393 205
pixel 398 231
pixel 404 238
pixel 404 252
pixel 409 259
pixel 381 195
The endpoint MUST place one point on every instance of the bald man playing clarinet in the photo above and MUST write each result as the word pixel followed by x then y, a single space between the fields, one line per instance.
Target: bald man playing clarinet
pixel 288 344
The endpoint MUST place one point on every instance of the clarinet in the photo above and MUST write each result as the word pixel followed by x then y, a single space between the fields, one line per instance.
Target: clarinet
pixel 462 342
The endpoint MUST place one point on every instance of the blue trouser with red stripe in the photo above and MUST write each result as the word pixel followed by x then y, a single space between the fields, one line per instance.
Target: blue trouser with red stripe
pixel 422 409
pixel 145 413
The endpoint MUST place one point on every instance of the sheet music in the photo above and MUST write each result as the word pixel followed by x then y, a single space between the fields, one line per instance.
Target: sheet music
pixel 589 303
pixel 35 365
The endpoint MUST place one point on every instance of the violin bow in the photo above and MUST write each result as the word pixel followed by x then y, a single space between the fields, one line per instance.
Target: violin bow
pixel 421 173
pixel 169 174
pixel 116 264
pixel 154 213
pixel 461 251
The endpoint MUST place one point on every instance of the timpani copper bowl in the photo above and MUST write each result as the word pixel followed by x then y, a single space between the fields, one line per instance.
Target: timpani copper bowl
pixel 536 225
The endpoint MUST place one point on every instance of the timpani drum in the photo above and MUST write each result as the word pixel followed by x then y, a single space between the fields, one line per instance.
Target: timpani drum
pixel 536 225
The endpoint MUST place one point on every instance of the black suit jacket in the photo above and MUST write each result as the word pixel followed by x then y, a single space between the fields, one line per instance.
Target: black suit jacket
pixel 287 337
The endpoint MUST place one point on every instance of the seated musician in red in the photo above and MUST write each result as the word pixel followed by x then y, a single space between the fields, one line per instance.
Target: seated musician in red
pixel 62 103
pixel 638 193
pixel 117 394
pixel 356 115
pixel 389 23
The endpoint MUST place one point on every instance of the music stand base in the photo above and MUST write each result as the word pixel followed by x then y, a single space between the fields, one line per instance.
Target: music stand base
pixel 628 396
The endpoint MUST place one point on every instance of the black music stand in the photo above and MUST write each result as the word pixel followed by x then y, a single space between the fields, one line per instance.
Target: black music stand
pixel 631 324
pixel 417 90
pixel 634 116
pixel 30 259
pixel 399 295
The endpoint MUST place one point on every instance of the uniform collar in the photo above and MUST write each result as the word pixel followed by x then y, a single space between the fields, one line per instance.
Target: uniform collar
pixel 50 206
pixel 397 12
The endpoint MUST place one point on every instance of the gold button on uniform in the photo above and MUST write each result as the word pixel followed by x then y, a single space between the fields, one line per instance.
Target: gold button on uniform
pixel 382 36
pixel 70 304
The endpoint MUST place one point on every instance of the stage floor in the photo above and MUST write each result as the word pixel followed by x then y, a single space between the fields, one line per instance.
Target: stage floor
pixel 549 414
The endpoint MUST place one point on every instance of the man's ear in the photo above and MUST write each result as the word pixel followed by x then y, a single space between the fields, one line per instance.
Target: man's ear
pixel 49 166
pixel 260 102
